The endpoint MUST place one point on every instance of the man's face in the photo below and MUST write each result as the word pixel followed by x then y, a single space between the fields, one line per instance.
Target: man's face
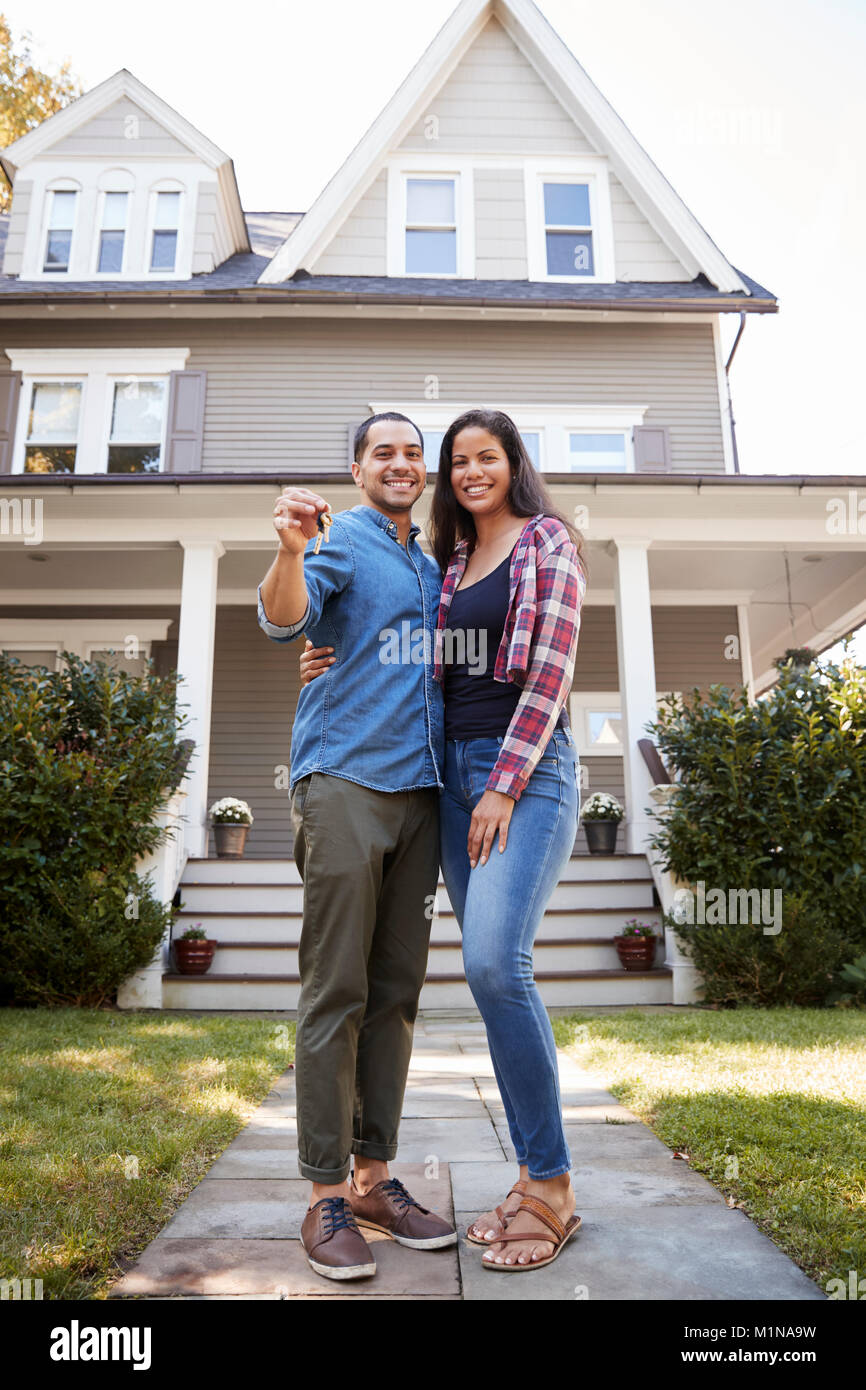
pixel 391 474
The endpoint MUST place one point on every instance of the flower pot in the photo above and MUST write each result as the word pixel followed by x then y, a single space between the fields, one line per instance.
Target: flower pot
pixel 636 952
pixel 193 956
pixel 601 835
pixel 230 839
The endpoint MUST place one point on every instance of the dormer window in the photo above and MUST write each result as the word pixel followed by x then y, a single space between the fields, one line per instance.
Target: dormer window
pixel 112 234
pixel 568 229
pixel 431 227
pixel 166 221
pixel 61 222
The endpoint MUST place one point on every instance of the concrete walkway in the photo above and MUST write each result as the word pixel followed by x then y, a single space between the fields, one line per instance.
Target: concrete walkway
pixel 652 1228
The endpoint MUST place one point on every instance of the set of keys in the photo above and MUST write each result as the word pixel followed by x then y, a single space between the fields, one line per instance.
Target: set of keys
pixel 323 522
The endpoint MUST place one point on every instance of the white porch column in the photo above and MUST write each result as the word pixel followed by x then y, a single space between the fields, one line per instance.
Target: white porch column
pixel 195 651
pixel 746 650
pixel 637 679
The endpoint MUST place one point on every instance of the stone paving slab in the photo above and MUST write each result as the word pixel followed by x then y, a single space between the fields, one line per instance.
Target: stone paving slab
pixel 649 1254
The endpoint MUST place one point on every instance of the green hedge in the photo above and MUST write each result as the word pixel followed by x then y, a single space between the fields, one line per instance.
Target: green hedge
pixel 88 755
pixel 772 796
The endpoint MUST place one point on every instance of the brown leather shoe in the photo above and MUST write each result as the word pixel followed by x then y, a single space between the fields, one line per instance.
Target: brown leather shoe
pixel 334 1245
pixel 388 1207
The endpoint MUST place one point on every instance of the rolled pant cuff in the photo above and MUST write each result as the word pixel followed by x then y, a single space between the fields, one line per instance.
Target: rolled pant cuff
pixel 384 1152
pixel 328 1177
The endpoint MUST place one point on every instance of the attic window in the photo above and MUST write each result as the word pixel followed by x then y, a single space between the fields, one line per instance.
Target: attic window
pixel 112 233
pixel 61 220
pixel 166 220
pixel 568 229
pixel 431 227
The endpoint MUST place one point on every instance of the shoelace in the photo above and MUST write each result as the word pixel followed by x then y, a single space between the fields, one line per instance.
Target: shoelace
pixel 337 1214
pixel 394 1188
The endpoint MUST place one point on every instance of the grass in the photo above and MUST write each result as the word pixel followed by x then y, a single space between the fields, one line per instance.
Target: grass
pixel 107 1121
pixel 769 1104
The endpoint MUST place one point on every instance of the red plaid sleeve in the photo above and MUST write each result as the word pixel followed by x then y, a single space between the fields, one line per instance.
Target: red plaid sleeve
pixel 560 585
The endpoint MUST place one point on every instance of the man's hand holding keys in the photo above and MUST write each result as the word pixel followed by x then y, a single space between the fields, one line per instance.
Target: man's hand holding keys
pixel 298 516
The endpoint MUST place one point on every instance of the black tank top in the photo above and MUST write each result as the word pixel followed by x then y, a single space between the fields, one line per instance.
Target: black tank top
pixel 477 706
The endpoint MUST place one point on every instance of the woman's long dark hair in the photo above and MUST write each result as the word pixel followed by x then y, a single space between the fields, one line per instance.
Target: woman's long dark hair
pixel 527 495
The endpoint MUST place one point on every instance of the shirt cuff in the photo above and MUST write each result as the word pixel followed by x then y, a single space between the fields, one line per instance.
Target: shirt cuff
pixel 273 630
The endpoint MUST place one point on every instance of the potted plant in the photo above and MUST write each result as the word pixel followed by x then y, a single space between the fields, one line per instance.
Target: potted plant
pixel 193 951
pixel 636 947
pixel 601 815
pixel 231 820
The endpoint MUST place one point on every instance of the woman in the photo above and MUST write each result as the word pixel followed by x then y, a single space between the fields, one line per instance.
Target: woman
pixel 513 589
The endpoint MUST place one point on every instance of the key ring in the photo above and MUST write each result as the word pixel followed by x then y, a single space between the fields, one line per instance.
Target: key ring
pixel 324 522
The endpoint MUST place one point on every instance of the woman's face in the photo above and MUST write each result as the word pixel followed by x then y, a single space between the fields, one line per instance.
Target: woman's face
pixel 480 472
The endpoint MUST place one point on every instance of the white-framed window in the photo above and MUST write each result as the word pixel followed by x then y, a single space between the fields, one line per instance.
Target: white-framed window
pixel 53 423
pixel 596 718
pixel 124 643
pixel 430 218
pixel 569 221
pixel 164 231
pixel 111 241
pixel 579 439
pixel 93 410
pixel 62 207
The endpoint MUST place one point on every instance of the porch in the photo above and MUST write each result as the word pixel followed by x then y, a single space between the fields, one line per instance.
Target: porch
pixel 692 582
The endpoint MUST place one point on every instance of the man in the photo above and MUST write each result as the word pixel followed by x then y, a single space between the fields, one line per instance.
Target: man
pixel 367 758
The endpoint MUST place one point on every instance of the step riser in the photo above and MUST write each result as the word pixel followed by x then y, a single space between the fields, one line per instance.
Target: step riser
pixel 276 871
pixel 289 898
pixel 444 960
pixel 286 929
pixel 227 995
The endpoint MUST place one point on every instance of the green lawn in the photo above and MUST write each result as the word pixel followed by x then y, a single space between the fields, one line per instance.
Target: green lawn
pixel 107 1121
pixel 769 1104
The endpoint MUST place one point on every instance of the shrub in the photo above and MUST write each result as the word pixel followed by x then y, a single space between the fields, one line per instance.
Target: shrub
pixel 88 755
pixel 772 795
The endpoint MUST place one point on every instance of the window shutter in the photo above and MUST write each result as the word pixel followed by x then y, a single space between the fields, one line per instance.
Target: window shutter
pixel 652 450
pixel 10 390
pixel 183 443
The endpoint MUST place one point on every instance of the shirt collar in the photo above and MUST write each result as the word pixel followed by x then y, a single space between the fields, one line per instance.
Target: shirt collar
pixel 383 522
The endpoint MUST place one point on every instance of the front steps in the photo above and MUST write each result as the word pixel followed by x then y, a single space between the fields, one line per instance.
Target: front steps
pixel 253 908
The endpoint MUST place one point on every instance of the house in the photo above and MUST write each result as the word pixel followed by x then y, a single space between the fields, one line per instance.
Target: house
pixel 170 360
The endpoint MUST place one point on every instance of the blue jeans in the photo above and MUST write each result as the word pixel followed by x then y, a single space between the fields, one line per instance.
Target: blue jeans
pixel 499 907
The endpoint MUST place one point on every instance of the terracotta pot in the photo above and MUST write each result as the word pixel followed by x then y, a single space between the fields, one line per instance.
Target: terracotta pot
pixel 636 952
pixel 601 835
pixel 193 956
pixel 230 840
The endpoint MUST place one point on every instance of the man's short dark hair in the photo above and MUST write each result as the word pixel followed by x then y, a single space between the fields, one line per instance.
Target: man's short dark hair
pixel 364 429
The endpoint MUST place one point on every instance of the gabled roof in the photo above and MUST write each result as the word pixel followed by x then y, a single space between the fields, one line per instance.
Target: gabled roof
pixel 125 84
pixel 578 95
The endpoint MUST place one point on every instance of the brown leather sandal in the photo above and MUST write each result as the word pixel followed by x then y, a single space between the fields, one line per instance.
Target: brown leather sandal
pixel 504 1216
pixel 561 1234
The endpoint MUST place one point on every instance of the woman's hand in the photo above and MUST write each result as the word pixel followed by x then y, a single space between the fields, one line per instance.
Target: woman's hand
pixel 314 660
pixel 492 813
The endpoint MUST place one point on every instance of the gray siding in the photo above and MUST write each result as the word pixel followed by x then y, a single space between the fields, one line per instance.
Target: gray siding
pixel 22 203
pixel 359 246
pixel 500 225
pixel 281 394
pixel 640 252
pixel 493 101
pixel 108 134
pixel 207 251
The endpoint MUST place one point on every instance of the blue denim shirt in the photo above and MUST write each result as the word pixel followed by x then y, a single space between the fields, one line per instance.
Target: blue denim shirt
pixel 376 716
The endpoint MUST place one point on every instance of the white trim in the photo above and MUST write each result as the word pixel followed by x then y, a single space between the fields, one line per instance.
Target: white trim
pixel 553 422
pixel 582 702
pixel 80 635
pixel 745 637
pixel 98 369
pixel 591 170
pixel 724 412
pixel 402 168
pixel 568 81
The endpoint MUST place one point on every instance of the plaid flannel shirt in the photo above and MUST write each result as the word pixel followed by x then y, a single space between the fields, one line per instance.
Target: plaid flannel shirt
pixel 547 589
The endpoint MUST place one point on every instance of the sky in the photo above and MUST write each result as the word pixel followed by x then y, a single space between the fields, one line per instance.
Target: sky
pixel 754 110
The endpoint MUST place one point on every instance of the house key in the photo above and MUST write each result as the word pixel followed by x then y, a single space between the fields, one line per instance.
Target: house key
pixel 323 522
